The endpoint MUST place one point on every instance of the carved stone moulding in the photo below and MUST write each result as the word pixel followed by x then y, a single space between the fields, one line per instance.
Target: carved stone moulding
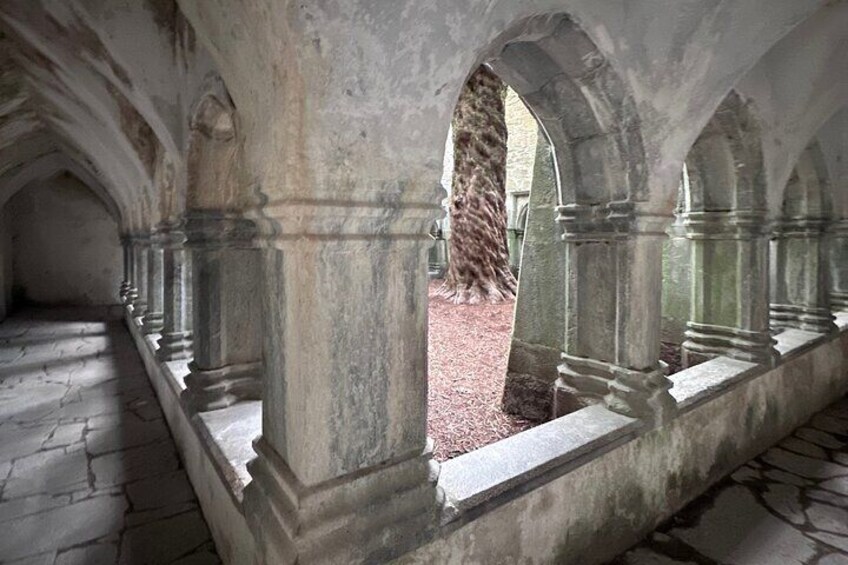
pixel 812 319
pixel 212 389
pixel 215 229
pixel 325 523
pixel 705 341
pixel 635 393
pixel 175 346
pixel 737 224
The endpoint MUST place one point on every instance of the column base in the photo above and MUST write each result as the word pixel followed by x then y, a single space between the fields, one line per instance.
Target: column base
pixel 638 394
pixel 707 341
pixel 819 320
pixel 212 389
pixel 124 291
pixel 152 323
pixel 838 301
pixel 174 346
pixel 139 307
pixel 372 516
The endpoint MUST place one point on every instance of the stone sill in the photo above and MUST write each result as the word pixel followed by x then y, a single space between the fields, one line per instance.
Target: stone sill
pixel 495 474
pixel 227 434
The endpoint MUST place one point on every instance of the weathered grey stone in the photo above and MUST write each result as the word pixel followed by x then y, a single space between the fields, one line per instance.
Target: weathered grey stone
pixel 785 500
pixel 97 554
pixel 133 464
pixel 820 438
pixel 160 491
pixel 151 543
pixel 68 526
pixel 125 435
pixel 804 448
pixel 738 530
pixel 827 518
pixel 838 485
pixel 800 465
pixel 50 472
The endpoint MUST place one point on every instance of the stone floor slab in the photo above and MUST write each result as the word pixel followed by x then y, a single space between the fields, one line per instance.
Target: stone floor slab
pixel 795 512
pixel 89 474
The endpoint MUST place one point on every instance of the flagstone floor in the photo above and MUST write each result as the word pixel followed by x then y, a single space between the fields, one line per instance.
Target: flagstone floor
pixel 88 471
pixel 789 506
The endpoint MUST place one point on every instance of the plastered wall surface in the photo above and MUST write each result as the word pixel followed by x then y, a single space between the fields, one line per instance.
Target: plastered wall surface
pixel 65 245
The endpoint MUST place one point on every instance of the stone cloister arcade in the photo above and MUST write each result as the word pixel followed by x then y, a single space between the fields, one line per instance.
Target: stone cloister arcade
pixel 273 171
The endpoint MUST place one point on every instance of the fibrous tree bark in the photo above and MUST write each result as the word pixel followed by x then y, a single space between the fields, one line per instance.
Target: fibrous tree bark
pixel 478 269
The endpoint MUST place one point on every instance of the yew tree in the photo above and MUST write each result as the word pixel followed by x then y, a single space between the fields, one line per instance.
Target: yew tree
pixel 478 270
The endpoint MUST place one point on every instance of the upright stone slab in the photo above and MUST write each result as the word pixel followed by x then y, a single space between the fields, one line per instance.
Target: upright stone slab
pixel 613 270
pixel 800 275
pixel 227 315
pixel 730 288
pixel 676 284
pixel 838 250
pixel 343 472
pixel 176 340
pixel 153 317
pixel 539 327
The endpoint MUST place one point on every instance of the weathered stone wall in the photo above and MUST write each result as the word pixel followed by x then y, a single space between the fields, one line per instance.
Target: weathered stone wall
pixel 66 248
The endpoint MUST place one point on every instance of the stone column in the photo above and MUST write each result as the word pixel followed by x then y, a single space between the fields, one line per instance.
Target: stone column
pixel 536 346
pixel 140 248
pixel 126 284
pixel 152 321
pixel 801 281
pixel 838 249
pixel 227 315
pixel 176 340
pixel 729 312
pixel 343 471
pixel 613 293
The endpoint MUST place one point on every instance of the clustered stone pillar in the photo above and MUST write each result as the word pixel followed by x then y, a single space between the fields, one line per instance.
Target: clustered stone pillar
pixel 801 287
pixel 613 288
pixel 838 232
pixel 343 471
pixel 126 283
pixel 152 321
pixel 227 315
pixel 729 312
pixel 176 341
pixel 141 243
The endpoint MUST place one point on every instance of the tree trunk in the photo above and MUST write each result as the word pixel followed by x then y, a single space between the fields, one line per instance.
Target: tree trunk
pixel 478 268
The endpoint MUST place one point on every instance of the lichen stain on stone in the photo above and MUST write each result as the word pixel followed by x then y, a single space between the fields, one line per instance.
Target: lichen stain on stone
pixel 137 130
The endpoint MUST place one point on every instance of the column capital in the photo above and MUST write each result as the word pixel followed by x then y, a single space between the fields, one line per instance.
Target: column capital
pixel 611 221
pixel 725 225
pixel 219 229
pixel 799 227
pixel 838 228
pixel 330 220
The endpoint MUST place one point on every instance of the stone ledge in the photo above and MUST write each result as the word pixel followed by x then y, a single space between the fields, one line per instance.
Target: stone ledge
pixel 214 448
pixel 546 451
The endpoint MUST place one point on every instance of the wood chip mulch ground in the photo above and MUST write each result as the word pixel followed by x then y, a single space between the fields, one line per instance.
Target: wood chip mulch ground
pixel 468 349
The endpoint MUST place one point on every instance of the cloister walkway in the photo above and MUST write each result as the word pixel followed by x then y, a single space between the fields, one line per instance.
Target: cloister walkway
pixel 89 473
pixel 788 506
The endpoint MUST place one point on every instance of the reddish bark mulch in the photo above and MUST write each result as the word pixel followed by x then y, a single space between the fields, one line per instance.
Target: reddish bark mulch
pixel 468 350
